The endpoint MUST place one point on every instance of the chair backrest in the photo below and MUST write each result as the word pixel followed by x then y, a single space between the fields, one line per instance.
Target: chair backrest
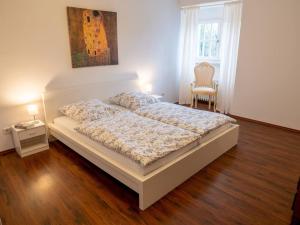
pixel 204 74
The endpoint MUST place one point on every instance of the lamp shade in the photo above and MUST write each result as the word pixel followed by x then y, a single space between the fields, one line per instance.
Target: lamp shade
pixel 32 110
pixel 148 88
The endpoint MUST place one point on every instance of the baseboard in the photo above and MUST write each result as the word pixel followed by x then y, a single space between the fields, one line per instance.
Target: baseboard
pixel 265 124
pixel 7 152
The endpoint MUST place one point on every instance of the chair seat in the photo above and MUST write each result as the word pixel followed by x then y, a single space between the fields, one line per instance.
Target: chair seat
pixel 204 91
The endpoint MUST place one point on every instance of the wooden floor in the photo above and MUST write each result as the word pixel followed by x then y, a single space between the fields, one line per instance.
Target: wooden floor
pixel 253 183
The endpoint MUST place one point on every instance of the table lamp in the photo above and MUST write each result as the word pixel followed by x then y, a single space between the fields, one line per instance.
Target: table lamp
pixel 148 88
pixel 33 110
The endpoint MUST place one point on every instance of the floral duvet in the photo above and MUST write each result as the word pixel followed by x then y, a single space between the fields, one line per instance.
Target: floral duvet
pixel 142 139
pixel 198 121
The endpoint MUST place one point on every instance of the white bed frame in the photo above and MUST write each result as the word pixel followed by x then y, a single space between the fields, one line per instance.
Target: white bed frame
pixel 154 185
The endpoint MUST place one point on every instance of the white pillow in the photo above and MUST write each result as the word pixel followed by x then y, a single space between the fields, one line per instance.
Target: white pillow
pixel 85 111
pixel 133 100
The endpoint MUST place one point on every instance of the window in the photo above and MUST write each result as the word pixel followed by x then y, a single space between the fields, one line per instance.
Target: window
pixel 209 48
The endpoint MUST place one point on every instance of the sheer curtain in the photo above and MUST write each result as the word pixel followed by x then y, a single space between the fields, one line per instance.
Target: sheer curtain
pixel 229 54
pixel 189 43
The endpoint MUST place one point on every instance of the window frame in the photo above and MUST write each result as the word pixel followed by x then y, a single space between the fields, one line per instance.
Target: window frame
pixel 214 60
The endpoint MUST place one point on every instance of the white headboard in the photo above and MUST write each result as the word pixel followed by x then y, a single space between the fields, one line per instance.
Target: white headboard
pixel 55 98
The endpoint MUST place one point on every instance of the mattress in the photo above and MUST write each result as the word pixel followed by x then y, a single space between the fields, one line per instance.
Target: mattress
pixel 67 126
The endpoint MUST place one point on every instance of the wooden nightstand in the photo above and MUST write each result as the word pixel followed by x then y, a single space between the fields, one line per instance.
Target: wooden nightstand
pixel 31 140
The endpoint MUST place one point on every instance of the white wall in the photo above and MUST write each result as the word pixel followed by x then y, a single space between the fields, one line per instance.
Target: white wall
pixel 268 78
pixel 34 50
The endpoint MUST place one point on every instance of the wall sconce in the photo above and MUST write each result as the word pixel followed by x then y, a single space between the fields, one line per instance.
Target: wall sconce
pixel 32 110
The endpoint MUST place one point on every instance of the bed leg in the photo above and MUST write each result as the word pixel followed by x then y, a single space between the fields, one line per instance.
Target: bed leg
pixel 141 202
pixel 148 198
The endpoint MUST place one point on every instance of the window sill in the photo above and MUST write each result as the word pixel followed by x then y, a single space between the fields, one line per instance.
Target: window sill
pixel 211 61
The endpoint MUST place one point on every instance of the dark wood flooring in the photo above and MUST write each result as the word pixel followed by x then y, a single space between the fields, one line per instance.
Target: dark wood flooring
pixel 254 183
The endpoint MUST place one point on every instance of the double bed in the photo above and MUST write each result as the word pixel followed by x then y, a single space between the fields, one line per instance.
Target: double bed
pixel 153 180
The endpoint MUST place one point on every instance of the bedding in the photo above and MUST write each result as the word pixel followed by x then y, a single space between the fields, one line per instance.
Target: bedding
pixel 194 120
pixel 88 110
pixel 142 139
pixel 67 127
pixel 133 100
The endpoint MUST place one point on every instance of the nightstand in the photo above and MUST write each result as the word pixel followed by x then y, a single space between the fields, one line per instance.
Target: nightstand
pixel 31 140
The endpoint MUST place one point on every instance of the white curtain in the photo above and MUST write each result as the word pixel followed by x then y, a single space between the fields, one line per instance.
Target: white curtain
pixel 189 43
pixel 229 54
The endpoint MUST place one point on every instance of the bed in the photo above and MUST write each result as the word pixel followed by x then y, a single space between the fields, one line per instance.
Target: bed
pixel 151 182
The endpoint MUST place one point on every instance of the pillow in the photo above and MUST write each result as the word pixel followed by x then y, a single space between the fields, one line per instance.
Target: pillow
pixel 86 111
pixel 133 100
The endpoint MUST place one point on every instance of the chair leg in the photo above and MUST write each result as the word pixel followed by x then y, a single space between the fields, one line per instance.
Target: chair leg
pixel 215 103
pixel 196 99
pixel 214 98
pixel 192 103
pixel 209 102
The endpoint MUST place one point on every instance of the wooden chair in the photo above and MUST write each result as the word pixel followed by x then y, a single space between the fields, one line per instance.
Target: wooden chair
pixel 204 85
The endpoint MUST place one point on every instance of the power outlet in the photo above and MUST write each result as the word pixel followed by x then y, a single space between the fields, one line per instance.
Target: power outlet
pixel 6 130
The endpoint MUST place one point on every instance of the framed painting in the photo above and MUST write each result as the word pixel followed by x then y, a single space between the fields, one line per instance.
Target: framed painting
pixel 93 37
